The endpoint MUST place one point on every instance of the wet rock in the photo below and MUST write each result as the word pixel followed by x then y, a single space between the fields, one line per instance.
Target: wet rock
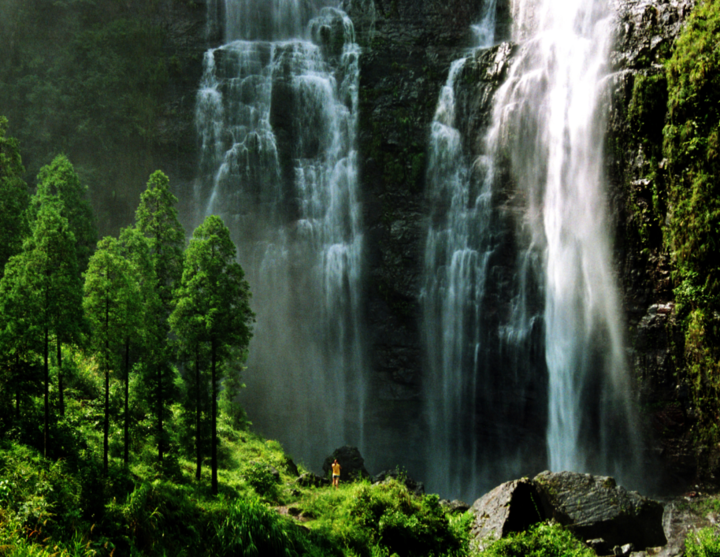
pixel 510 507
pixel 595 507
pixel 291 467
pixel 456 506
pixel 331 30
pixel 352 462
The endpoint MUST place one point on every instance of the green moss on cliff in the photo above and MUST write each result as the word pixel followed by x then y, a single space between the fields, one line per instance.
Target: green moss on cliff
pixel 692 232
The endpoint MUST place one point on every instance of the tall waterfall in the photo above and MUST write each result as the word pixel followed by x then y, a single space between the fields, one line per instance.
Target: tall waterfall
pixel 276 119
pixel 526 366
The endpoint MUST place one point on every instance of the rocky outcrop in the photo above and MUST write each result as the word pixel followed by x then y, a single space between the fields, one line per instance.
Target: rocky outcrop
pixel 645 31
pixel 351 461
pixel 510 507
pixel 594 507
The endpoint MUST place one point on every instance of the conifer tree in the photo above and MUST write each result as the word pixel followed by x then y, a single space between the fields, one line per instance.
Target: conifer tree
pixel 135 248
pixel 58 180
pixel 58 183
pixel 157 219
pixel 113 306
pixel 48 279
pixel 213 306
pixel 13 197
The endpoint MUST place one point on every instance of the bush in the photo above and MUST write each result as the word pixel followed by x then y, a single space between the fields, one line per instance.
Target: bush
pixel 251 529
pixel 702 543
pixel 541 540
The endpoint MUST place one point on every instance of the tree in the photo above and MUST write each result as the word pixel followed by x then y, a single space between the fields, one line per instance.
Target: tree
pixel 58 180
pixel 13 197
pixel 113 306
pixel 213 306
pixel 157 219
pixel 136 250
pixel 18 330
pixel 47 279
pixel 58 184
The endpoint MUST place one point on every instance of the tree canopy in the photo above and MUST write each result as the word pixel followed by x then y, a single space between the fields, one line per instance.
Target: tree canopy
pixel 212 305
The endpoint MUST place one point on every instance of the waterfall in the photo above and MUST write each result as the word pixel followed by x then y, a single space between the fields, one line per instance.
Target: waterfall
pixel 526 365
pixel 276 118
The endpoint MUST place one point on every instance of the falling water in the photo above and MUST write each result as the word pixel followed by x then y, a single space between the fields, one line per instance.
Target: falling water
pixel 520 296
pixel 276 118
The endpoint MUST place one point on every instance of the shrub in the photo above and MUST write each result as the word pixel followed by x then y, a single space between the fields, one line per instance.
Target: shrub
pixel 541 540
pixel 702 543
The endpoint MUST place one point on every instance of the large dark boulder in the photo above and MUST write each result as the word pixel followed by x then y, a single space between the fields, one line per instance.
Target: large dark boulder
pixel 596 507
pixel 510 507
pixel 352 462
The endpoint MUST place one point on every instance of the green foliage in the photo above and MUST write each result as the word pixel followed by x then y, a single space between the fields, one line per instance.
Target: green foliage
pixel 260 477
pixel 360 517
pixel 692 231
pixel 157 220
pixel 59 183
pixel 702 543
pixel 251 529
pixel 212 307
pixel 541 540
pixel 87 78
pixel 692 149
pixel 13 197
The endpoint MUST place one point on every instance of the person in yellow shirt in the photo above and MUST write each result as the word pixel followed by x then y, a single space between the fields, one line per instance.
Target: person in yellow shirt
pixel 336 473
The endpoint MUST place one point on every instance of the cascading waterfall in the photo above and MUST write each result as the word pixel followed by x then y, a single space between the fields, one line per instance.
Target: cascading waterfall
pixel 276 118
pixel 522 318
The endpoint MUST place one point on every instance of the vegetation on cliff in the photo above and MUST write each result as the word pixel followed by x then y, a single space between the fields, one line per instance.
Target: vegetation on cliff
pixel 692 230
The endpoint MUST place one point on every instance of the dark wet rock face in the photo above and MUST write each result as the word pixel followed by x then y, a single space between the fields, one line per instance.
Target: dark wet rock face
pixel 595 507
pixel 351 461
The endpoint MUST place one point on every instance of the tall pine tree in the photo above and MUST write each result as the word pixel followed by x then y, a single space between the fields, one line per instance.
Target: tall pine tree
pixel 213 306
pixel 112 304
pixel 157 219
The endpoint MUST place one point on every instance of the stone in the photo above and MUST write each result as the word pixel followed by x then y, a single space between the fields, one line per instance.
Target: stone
pixel 312 480
pixel 596 507
pixel 456 506
pixel 351 461
pixel 510 507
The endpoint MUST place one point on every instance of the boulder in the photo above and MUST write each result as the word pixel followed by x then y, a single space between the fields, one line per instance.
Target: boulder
pixel 456 506
pixel 510 507
pixel 351 461
pixel 595 507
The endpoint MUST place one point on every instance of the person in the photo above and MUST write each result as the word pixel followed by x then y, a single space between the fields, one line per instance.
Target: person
pixel 336 473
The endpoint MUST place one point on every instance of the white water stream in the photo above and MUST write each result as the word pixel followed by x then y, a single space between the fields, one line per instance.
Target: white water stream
pixel 485 309
pixel 277 118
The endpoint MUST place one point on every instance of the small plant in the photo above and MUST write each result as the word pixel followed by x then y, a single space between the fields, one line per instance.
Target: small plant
pixel 702 543
pixel 260 476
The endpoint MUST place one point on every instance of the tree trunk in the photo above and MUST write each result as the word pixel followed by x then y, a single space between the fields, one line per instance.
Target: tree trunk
pixel 160 412
pixel 126 453
pixel 18 383
pixel 47 392
pixel 60 376
pixel 106 425
pixel 197 412
pixel 214 421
